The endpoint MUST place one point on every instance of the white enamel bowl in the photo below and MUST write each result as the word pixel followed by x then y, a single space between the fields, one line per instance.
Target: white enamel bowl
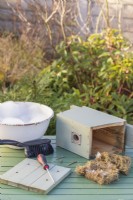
pixel 24 121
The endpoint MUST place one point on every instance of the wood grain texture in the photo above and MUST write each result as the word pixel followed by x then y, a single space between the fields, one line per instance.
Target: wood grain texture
pixel 30 175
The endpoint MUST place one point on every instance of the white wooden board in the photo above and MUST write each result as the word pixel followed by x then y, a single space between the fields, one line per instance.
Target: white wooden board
pixel 30 175
pixel 129 135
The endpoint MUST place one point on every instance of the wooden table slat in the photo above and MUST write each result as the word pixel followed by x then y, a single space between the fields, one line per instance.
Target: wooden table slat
pixel 74 187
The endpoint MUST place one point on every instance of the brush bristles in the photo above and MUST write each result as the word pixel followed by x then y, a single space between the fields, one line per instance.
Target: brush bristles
pixel 34 150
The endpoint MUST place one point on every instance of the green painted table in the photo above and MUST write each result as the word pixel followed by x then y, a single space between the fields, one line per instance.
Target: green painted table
pixel 74 187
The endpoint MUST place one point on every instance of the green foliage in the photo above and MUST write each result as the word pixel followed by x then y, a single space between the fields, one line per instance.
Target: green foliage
pixel 101 61
pixel 97 73
pixel 99 70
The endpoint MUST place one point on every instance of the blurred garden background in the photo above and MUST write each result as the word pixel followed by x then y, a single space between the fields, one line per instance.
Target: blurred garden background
pixel 55 53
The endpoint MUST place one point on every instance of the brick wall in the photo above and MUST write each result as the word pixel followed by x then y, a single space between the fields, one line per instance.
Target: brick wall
pixel 120 15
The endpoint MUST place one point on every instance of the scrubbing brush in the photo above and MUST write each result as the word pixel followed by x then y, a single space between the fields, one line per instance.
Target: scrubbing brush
pixel 32 148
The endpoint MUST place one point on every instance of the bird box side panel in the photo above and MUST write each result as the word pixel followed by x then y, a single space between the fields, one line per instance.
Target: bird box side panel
pixel 73 136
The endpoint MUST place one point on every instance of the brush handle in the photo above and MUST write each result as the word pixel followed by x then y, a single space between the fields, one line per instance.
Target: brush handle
pixel 25 144
pixel 37 142
pixel 11 142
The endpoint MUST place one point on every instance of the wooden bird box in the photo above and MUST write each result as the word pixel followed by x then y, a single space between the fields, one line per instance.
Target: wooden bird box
pixel 86 131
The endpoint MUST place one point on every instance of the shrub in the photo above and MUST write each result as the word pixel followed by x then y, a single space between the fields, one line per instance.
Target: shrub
pixel 97 73
pixel 99 70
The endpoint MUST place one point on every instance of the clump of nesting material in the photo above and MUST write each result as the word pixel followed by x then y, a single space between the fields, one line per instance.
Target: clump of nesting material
pixel 122 163
pixel 98 171
pixel 105 168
